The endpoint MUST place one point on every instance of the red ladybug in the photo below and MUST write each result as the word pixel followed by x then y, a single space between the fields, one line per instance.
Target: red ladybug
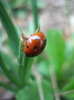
pixel 35 44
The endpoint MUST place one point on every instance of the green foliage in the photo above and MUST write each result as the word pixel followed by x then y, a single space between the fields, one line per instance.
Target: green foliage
pixel 7 72
pixel 7 6
pixel 43 68
pixel 11 63
pixel 35 14
pixel 16 3
pixel 55 49
pixel 69 86
pixel 43 65
pixel 31 92
pixel 24 64
pixel 8 87
pixel 20 70
pixel 58 54
pixel 9 27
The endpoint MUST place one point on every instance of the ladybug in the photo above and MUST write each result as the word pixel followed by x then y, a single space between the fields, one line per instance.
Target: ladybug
pixel 35 44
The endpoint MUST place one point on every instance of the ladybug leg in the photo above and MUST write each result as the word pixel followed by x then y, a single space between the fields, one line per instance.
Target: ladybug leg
pixel 37 29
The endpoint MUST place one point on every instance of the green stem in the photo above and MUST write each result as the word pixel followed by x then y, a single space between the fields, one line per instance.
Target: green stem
pixel 20 59
pixel 24 65
pixel 35 13
pixel 8 87
pixel 7 72
pixel 28 69
pixel 68 11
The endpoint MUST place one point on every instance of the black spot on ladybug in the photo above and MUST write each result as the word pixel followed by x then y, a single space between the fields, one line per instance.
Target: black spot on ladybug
pixel 27 46
pixel 35 48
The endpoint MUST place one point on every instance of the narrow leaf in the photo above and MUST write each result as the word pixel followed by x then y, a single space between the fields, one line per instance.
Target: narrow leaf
pixel 69 86
pixel 8 87
pixel 9 27
pixel 35 13
pixel 7 72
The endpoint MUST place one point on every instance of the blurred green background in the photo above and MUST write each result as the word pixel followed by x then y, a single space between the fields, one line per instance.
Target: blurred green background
pixel 52 70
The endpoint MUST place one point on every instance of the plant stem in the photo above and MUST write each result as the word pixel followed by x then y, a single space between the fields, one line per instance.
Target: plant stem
pixel 21 52
pixel 54 82
pixel 35 13
pixel 8 87
pixel 68 11
pixel 20 60
pixel 27 70
pixel 38 79
pixel 24 64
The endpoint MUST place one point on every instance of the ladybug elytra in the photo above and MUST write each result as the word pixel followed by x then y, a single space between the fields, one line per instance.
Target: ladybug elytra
pixel 35 44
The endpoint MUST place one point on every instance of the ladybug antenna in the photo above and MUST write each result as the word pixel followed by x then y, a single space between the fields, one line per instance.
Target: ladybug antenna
pixel 37 29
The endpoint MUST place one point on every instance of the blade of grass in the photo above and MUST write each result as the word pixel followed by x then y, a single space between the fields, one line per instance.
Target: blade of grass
pixel 20 58
pixel 7 6
pixel 9 27
pixel 69 86
pixel 8 87
pixel 7 72
pixel 16 3
pixel 35 13
pixel 68 11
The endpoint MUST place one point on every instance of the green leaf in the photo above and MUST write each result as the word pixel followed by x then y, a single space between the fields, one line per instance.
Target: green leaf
pixel 55 49
pixel 9 27
pixel 35 13
pixel 16 3
pixel 10 61
pixel 3 66
pixel 28 93
pixel 8 87
pixel 43 68
pixel 7 6
pixel 47 90
pixel 9 56
pixel 31 92
pixel 69 86
pixel 43 65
